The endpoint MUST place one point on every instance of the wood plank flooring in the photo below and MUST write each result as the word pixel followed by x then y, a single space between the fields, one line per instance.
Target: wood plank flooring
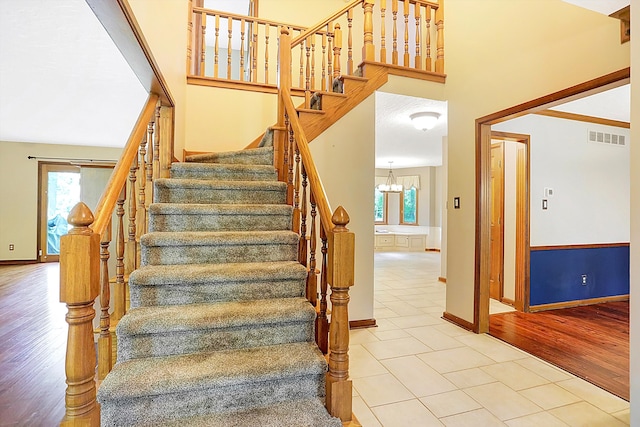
pixel 33 336
pixel 591 342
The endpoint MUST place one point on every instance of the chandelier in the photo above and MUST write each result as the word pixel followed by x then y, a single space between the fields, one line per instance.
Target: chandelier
pixel 390 186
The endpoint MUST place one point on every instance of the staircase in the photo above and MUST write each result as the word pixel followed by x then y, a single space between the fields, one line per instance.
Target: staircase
pixel 219 333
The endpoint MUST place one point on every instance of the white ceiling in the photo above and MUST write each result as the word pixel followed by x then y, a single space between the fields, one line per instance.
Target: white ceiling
pixel 614 104
pixel 606 7
pixel 62 80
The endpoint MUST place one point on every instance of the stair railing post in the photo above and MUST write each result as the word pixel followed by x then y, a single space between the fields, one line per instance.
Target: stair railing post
pixel 284 81
pixel 341 278
pixel 368 50
pixel 79 287
pixel 337 47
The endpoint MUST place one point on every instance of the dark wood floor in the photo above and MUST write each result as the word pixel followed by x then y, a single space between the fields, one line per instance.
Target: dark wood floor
pixel 591 342
pixel 32 346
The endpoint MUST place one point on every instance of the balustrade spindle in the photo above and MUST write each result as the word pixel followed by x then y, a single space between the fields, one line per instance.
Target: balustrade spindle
pixel 350 42
pixel 313 62
pixel 119 287
pixel 131 247
pixel 383 31
pixel 203 50
pixel 406 32
pixel 394 52
pixel 267 28
pixel 368 49
pixel 329 87
pixel 142 196
pixel 229 45
pixel 104 340
pixel 254 52
pixel 324 61
pixel 290 160
pixel 156 146
pixel 149 164
pixel 312 282
pixel 296 190
pixel 322 323
pixel 189 37
pixel 302 245
pixel 216 48
pixel 307 80
pixel 418 60
pixel 242 50
pixel 301 84
pixel 427 43
pixel 440 38
pixel 337 46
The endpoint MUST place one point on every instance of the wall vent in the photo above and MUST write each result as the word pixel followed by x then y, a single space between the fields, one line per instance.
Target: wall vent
pixel 606 138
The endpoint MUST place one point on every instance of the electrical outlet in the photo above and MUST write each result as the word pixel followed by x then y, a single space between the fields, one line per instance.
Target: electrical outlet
pixel 11 246
pixel 584 280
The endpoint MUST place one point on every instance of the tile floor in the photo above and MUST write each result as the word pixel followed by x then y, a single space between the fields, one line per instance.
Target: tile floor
pixel 416 369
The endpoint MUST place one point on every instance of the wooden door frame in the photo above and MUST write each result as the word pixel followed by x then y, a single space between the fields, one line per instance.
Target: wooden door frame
pixel 501 276
pixel 523 202
pixel 483 177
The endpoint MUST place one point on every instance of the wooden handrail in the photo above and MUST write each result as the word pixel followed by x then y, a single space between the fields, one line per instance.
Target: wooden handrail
pixel 317 27
pixel 247 18
pixel 120 173
pixel 312 173
pixel 434 5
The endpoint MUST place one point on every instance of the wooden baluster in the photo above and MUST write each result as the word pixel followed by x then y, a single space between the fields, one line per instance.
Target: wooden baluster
pixel 337 46
pixel 341 275
pixel 296 189
pixel 302 246
pixel 142 196
pixel 406 32
pixel 119 287
pixel 290 161
pixel 189 39
pixel 229 46
pixel 313 62
pixel 440 38
pixel 368 49
pixel 307 79
pixel 383 31
pixel 312 281
pixel 149 165
pixel 394 52
pixel 324 61
pixel 427 43
pixel 267 28
pixel 203 53
pixel 301 84
pixel 104 340
pixel 322 323
pixel 254 53
pixel 329 87
pixel 216 49
pixel 242 50
pixel 350 42
pixel 418 61
pixel 131 248
pixel 79 287
pixel 156 146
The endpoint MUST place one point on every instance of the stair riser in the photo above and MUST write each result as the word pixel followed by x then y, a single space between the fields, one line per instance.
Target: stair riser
pixel 206 195
pixel 240 158
pixel 219 222
pixel 223 176
pixel 211 254
pixel 143 411
pixel 144 296
pixel 188 342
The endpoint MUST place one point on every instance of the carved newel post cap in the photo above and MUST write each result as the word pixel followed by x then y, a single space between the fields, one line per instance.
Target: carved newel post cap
pixel 284 30
pixel 340 219
pixel 81 218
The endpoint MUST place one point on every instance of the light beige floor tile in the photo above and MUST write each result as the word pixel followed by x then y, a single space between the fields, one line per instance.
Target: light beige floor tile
pixel 363 364
pixel 434 338
pixel 434 310
pixel 469 377
pixel 455 359
pixel 541 419
pixel 381 390
pixel 544 369
pixel 477 418
pixel 549 396
pixel 419 378
pixel 385 297
pixel 624 416
pixel 492 347
pixel 392 334
pixel 452 330
pixel 403 309
pixel 396 348
pixel 385 325
pixel 515 376
pixel 585 414
pixel 502 401
pixel 416 320
pixel 594 395
pixel 364 414
pixel 384 313
pixel 359 336
pixel 403 414
pixel 450 403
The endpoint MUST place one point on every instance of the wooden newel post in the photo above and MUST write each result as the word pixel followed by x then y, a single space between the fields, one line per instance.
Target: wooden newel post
pixel 341 278
pixel 440 38
pixel 337 47
pixel 368 50
pixel 79 287
pixel 284 81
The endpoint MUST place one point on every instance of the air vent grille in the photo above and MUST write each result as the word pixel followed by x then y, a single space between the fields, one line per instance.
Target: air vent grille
pixel 607 138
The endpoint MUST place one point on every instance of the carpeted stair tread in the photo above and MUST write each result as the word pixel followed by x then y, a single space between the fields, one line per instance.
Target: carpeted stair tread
pixel 219 217
pixel 192 372
pixel 297 413
pixel 228 238
pixel 255 156
pixel 223 172
pixel 171 190
pixel 233 314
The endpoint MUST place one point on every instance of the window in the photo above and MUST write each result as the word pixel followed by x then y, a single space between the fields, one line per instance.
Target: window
pixel 409 206
pixel 380 210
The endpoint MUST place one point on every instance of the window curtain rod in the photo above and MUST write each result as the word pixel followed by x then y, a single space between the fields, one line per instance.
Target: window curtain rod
pixel 70 159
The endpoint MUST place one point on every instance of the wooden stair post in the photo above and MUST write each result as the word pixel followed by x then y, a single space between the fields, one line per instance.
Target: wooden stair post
pixel 79 287
pixel 368 50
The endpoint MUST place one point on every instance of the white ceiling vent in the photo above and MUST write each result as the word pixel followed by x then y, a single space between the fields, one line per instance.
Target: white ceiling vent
pixel 606 138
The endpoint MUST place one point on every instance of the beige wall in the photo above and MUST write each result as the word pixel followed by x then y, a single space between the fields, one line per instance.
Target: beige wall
pixel 164 24
pixel 520 50
pixel 19 192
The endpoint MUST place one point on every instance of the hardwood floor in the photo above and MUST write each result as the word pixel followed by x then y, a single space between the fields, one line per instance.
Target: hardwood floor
pixel 32 346
pixel 591 342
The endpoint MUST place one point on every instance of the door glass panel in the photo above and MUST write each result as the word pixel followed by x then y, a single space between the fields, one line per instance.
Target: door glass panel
pixel 63 192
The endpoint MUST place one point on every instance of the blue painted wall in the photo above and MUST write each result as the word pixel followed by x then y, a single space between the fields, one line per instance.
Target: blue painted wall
pixel 556 274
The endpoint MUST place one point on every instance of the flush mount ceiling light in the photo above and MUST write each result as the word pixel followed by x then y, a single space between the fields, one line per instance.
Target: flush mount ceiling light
pixel 425 120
